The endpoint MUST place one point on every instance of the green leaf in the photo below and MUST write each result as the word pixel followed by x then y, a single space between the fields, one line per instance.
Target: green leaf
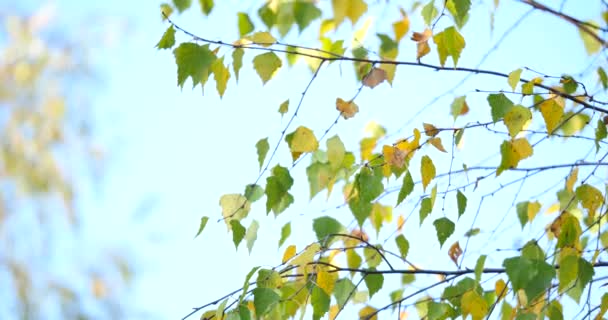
pixel 500 105
pixel 445 227
pixel 427 171
pixel 403 245
pixel 285 233
pixel 590 197
pixel 429 12
pixel 437 311
pixel 206 6
pixel 202 225
pixel 462 11
pixel 264 299
pixel 600 134
pixel 479 267
pixel 245 24
pixel 360 209
pixel 166 10
pixel 459 107
pixel 426 206
pixel 319 176
pixel 533 276
pixel 372 257
pixel 220 75
pixel 252 234
pixel 325 226
pixel 335 152
pixel 277 187
pixel 369 184
pixel 238 232
pixel 533 251
pixel 237 61
pixel 220 309
pixel 284 107
pixel 522 213
pixel 512 152
pixel 513 79
pixel 461 199
pixel 267 15
pixel 353 260
pixel 568 269
pixel 570 85
pixel 320 302
pixel 192 61
pixel 585 275
pixel 268 278
pixel 304 13
pixel 406 188
pixel 343 291
pixel 516 118
pixel 601 73
pixel 167 41
pixel 374 283
pixel 449 43
pixel 266 64
pixel 253 192
pixel 182 5
pixel 262 148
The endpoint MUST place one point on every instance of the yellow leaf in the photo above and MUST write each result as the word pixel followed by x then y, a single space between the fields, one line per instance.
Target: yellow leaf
pixel 326 26
pixel 516 118
pixel 500 289
pixel 523 148
pixel 592 45
pixel 306 256
pixel 436 142
pixel 553 208
pixel 422 36
pixel 304 140
pixel 392 157
pixel 390 70
pixel 454 252
pixel 360 34
pixel 234 206
pixel 533 209
pixel 422 49
pixel 430 130
pixel 552 113
pixel 374 77
pixel 514 77
pixel 473 304
pixel 366 312
pixel 402 26
pixel 449 43
pixel 427 169
pixel 348 109
pixel 326 281
pixel 266 64
pixel 400 222
pixel 333 311
pixel 528 87
pixel 290 252
pixel 264 39
pixel 572 179
pixel 351 9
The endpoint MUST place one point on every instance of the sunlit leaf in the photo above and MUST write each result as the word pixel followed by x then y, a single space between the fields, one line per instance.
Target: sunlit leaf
pixel 552 113
pixel 221 75
pixel 264 299
pixel 402 26
pixel 343 291
pixel 403 245
pixel 237 61
pixel 591 198
pixel 512 152
pixel 461 11
pixel 206 6
pixel 429 12
pixel 285 233
pixel 300 141
pixel 284 107
pixel 234 206
pixel 514 77
pixel 182 5
pixel 449 43
pixel 444 227
pixel 461 200
pixel 436 142
pixel 266 64
pixel 592 45
pixel 473 304
pixel 304 13
pixel 406 188
pixel 245 24
pixel 326 226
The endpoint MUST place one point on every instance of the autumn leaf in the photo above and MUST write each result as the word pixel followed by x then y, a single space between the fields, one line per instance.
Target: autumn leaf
pixel 347 109
pixel 402 26
pixel 351 9
pixel 266 64
pixel 454 252
pixel 552 113
pixel 290 252
pixel 514 77
pixel 427 170
pixel 516 118
pixel 436 142
pixel 374 77
pixel 449 43
pixel 430 130
pixel 459 107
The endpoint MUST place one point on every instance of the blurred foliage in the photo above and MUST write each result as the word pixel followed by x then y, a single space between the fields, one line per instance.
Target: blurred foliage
pixel 46 269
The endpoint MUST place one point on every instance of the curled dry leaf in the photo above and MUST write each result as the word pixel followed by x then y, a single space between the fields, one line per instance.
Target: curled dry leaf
pixel 347 108
pixel 422 42
pixel 422 36
pixel 374 77
pixel 455 252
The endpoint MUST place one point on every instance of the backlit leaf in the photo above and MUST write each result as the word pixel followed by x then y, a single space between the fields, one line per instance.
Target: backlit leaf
pixel 512 152
pixel 533 276
pixel 202 225
pixel 600 134
pixel 347 109
pixel 192 62
pixel 277 187
pixel 374 282
pixel 514 77
pixel 516 118
pixel 444 227
pixel 592 45
pixel 266 64
pixel 290 252
pixel 264 299
pixel 335 152
pixel 528 87
pixel 455 252
pixel 182 5
pixel 429 12
pixel 552 113
pixel 220 75
pixel 245 24
pixel 449 43
pixel 406 188
pixel 307 256
pixel 285 233
pixel 479 267
pixel 403 245
pixel 167 41
pixel 343 290
pixel 234 206
pixel 427 170
pixel 304 13
pixel 462 11
pixel 461 200
pixel 327 281
pixel 601 73
pixel 252 234
pixel 351 9
pixel 206 6
pixel 459 107
pixel 320 302
pixel 262 148
pixel 369 184
pixel 402 26
pixel 436 142
pixel 500 105
pixel 374 78
pixel 300 141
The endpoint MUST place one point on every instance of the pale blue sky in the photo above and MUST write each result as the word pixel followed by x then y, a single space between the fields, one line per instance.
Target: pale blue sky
pixel 182 150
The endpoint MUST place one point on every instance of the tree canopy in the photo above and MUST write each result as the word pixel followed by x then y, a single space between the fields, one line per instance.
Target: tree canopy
pixel 489 201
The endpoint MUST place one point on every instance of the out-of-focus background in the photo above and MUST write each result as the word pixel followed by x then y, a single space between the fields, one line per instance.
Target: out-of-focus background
pixel 106 166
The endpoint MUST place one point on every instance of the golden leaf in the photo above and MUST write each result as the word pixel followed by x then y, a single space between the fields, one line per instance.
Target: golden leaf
pixel 454 252
pixel 348 109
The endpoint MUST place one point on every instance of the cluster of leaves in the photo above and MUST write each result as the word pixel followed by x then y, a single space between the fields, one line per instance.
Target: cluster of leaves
pixel 316 276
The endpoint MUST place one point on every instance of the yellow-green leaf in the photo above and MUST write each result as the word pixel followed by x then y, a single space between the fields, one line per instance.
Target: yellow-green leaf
pixel 552 113
pixel 592 45
pixel 449 43
pixel 512 152
pixel 301 140
pixel 264 39
pixel 516 118
pixel 351 9
pixel 221 75
pixel 202 225
pixel 237 61
pixel 591 198
pixel 192 61
pixel 167 41
pixel 266 64
pixel 427 169
pixel 262 148
pixel 514 77
pixel 245 24
pixel 473 304
pixel 234 206
pixel 306 256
